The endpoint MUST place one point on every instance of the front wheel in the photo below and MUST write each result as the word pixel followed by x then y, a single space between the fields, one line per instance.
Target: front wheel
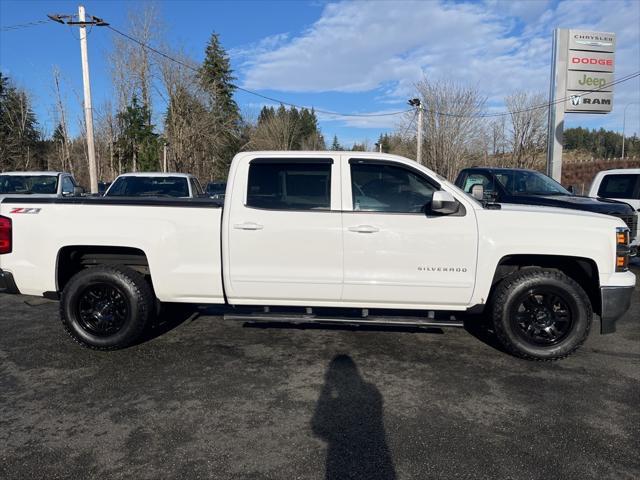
pixel 106 307
pixel 541 314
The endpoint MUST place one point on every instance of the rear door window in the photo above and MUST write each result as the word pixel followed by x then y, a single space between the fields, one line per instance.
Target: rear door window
pixel 289 185
pixel 620 186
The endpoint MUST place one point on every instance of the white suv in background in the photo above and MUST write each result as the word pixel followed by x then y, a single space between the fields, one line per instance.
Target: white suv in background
pixel 621 184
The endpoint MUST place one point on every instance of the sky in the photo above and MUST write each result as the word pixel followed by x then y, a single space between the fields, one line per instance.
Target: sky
pixel 345 57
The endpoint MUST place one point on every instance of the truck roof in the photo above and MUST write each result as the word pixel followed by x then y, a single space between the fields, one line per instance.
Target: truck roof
pixel 155 174
pixel 33 174
pixel 502 169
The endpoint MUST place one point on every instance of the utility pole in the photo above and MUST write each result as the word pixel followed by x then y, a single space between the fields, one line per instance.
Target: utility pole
pixel 88 112
pixel 415 102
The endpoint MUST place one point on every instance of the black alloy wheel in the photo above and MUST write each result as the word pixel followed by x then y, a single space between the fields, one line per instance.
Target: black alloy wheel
pixel 102 309
pixel 106 307
pixel 542 316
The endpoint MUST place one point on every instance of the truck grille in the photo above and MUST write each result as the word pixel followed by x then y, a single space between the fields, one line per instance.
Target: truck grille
pixel 632 222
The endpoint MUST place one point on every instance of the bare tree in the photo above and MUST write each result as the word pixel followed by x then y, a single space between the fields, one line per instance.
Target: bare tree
pixel 528 128
pixel 61 135
pixel 451 127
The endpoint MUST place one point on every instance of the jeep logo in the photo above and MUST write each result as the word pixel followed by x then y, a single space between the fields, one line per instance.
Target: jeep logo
pixel 588 81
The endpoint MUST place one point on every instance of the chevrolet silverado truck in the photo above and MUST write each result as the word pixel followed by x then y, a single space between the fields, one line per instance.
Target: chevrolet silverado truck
pixel 317 236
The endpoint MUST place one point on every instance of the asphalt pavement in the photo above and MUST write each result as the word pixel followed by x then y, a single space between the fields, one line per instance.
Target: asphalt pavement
pixel 202 397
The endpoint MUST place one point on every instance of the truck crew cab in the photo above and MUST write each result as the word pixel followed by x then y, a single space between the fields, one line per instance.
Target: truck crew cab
pixel 311 230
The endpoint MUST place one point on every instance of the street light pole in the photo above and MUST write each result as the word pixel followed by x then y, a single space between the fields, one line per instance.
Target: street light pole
pixel 415 102
pixel 624 121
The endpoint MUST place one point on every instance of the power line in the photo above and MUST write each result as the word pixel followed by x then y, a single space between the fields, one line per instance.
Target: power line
pixel 327 112
pixel 415 113
pixel 24 25
pixel 251 92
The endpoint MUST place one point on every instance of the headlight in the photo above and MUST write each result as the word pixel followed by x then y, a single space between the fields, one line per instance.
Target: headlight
pixel 622 249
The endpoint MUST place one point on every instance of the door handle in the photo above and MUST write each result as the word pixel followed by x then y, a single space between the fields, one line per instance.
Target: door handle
pixel 364 229
pixel 248 226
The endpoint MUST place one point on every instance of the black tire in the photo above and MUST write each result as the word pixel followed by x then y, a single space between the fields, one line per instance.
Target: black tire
pixel 106 307
pixel 541 314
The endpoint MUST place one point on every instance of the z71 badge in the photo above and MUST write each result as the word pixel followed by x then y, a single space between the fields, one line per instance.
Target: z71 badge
pixel 26 210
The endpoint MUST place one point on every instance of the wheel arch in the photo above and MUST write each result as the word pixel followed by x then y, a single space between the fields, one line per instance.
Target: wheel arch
pixel 583 271
pixel 72 259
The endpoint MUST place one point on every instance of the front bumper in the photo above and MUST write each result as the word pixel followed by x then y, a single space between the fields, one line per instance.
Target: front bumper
pixel 7 284
pixel 615 303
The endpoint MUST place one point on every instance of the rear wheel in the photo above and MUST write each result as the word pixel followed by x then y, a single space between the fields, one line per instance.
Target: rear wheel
pixel 106 307
pixel 541 314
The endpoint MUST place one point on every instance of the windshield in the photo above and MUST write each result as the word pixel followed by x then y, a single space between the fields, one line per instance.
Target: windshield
pixel 149 187
pixel 520 182
pixel 29 184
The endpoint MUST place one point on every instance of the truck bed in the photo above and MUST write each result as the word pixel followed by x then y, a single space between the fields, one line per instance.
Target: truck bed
pixel 179 237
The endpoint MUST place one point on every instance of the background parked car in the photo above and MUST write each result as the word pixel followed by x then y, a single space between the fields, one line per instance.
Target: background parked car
pixel 529 187
pixel 621 184
pixel 39 184
pixel 216 190
pixel 180 185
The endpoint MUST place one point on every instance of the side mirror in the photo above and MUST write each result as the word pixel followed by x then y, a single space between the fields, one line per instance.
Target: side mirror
pixel 477 191
pixel 571 189
pixel 443 202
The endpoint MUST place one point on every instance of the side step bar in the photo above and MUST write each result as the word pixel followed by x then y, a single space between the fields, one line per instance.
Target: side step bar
pixel 368 320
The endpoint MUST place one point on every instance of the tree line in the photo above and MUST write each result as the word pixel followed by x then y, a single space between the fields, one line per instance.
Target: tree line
pixel 188 110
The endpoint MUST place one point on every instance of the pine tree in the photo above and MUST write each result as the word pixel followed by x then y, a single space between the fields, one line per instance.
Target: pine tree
pixel 19 136
pixel 138 144
pixel 216 78
pixel 335 145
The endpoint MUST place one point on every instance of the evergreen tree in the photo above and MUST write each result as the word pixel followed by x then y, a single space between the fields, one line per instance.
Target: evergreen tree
pixel 335 145
pixel 216 78
pixel 19 137
pixel 137 142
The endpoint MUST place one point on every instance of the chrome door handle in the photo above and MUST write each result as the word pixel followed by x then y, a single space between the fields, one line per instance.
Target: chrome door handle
pixel 364 229
pixel 248 226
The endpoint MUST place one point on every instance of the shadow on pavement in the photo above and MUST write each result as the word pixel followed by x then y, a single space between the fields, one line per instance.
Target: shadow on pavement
pixel 480 326
pixel 171 316
pixel 349 418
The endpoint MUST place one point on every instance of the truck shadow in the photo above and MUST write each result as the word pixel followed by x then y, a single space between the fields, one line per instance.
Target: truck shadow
pixel 349 418
pixel 171 316
pixel 480 327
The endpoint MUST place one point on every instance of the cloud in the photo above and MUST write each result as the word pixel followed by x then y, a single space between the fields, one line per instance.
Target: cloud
pixel 384 48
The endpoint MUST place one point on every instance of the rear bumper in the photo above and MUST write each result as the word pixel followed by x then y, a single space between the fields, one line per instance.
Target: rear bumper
pixel 7 284
pixel 615 303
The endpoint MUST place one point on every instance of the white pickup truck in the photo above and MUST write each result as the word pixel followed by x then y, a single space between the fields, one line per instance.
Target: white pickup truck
pixel 304 235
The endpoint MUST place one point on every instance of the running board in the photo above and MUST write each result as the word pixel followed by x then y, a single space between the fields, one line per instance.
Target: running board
pixel 369 320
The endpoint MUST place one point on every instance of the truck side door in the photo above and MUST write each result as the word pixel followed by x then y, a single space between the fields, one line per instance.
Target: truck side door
pixel 284 232
pixel 396 253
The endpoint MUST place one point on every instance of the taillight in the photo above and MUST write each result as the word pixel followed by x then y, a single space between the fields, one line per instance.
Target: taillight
pixel 622 249
pixel 5 235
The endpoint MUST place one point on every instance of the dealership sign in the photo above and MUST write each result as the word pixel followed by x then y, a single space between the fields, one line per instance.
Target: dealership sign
pixel 582 69
pixel 590 63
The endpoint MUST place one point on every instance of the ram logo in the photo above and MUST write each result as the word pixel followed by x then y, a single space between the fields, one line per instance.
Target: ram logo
pixel 576 100
pixel 34 211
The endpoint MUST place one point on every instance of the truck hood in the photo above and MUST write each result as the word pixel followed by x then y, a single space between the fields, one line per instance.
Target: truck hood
pixel 576 202
pixel 513 207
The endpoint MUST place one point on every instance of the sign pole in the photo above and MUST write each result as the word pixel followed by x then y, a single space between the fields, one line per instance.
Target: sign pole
pixel 557 91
